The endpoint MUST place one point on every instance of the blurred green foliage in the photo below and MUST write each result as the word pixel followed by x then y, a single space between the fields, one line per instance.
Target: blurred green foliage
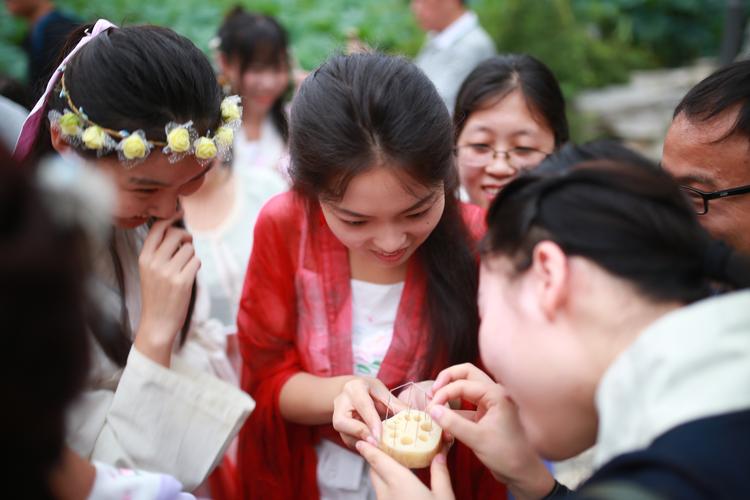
pixel 587 43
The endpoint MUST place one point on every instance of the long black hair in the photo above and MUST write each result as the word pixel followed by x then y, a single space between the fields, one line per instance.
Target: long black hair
pixel 362 110
pixel 256 40
pixel 632 221
pixel 130 78
pixel 498 76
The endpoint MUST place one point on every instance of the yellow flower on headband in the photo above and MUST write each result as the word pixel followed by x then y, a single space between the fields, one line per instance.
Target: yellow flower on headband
pixel 230 109
pixel 205 149
pixel 93 137
pixel 178 140
pixel 133 147
pixel 224 137
pixel 69 123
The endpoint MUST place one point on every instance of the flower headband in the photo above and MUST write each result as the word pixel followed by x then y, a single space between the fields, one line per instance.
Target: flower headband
pixel 132 148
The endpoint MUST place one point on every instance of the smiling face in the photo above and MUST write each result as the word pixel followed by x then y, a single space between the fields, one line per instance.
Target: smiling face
pixel 260 85
pixel 505 125
pixel 383 218
pixel 150 189
pixel 694 158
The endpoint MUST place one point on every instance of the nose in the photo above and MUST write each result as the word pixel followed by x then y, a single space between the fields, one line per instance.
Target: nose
pixel 165 207
pixel 500 166
pixel 390 239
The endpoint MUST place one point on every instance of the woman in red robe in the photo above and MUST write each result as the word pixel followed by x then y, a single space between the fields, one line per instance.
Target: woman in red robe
pixel 373 204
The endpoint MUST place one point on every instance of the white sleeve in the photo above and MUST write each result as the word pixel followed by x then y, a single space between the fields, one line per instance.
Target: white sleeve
pixel 176 421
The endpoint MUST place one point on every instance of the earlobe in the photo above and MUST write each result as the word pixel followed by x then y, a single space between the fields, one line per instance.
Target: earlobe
pixel 58 143
pixel 550 265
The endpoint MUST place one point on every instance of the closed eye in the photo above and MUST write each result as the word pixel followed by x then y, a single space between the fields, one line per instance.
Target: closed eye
pixel 418 214
pixel 353 222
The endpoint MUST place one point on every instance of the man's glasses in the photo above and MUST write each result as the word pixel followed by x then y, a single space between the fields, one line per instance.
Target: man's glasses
pixel 699 199
pixel 482 155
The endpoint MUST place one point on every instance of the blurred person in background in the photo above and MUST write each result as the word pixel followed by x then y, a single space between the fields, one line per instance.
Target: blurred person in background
pixel 48 29
pixel 455 44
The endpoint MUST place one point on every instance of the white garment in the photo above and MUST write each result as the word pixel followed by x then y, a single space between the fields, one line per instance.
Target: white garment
pixel 177 421
pixel 690 364
pixel 112 483
pixel 267 152
pixel 342 474
pixel 224 251
pixel 10 126
pixel 374 309
pixel 448 57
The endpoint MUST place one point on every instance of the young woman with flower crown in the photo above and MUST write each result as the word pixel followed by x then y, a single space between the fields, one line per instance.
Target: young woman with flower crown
pixel 142 106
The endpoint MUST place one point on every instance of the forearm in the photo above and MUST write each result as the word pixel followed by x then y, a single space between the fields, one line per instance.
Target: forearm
pixel 307 399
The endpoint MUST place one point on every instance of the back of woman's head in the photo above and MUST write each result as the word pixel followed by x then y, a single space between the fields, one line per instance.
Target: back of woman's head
pixel 498 76
pixel 253 40
pixel 140 78
pixel 364 110
pixel 634 222
pixel 42 278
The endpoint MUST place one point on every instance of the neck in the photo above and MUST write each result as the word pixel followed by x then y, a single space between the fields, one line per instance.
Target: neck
pixel 452 15
pixel 252 123
pixel 73 478
pixel 39 11
pixel 613 336
pixel 216 178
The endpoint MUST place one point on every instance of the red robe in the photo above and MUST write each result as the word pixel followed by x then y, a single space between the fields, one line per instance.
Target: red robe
pixel 296 315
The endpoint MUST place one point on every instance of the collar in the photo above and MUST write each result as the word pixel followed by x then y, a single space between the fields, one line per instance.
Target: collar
pixel 690 364
pixel 457 29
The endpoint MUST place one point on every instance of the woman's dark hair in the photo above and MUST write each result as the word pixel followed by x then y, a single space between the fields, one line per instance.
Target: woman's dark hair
pixel 256 40
pixel 130 78
pixel 43 266
pixel 634 222
pixel 572 154
pixel 363 110
pixel 498 76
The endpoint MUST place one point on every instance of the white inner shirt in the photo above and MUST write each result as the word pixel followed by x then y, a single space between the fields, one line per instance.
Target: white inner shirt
pixel 342 474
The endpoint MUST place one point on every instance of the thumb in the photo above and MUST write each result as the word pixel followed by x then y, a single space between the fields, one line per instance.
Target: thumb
pixel 460 427
pixel 440 479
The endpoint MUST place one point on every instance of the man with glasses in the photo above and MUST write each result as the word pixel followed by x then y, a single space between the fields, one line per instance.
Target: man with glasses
pixel 707 150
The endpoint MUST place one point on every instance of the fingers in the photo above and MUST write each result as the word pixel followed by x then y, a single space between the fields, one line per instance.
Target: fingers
pixel 351 429
pixel 156 235
pixel 174 239
pixel 465 430
pixel 465 371
pixel 440 479
pixel 469 390
pixel 183 256
pixel 384 466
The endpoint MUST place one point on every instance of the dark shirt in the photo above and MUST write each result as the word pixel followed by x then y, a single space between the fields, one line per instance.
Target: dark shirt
pixel 43 44
pixel 705 459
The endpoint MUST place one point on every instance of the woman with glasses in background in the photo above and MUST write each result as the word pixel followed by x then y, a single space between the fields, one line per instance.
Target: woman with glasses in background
pixel 509 116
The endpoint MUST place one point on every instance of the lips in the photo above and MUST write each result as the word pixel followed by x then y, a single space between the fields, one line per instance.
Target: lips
pixel 391 257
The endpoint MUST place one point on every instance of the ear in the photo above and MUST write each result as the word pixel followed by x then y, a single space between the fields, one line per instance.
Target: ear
pixel 552 277
pixel 57 141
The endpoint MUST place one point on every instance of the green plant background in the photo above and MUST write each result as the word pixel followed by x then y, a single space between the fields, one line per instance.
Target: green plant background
pixel 587 43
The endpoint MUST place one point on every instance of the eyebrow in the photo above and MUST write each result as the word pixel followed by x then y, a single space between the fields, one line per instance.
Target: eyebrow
pixel 415 206
pixel 490 130
pixel 692 178
pixel 144 181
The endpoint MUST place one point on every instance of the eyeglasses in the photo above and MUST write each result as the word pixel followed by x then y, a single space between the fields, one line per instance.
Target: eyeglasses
pixel 699 199
pixel 482 155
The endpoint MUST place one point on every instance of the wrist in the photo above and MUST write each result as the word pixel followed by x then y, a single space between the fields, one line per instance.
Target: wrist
pixel 534 482
pixel 155 348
